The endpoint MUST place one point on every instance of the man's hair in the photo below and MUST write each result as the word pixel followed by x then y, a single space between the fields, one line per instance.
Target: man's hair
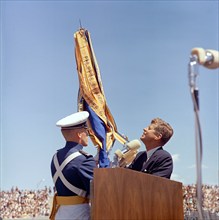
pixel 163 128
pixel 69 134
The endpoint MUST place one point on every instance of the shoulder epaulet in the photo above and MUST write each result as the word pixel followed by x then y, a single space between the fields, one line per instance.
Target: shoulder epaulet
pixel 84 153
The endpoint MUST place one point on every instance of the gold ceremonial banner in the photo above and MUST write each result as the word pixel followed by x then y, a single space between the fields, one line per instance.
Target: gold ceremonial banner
pixel 91 89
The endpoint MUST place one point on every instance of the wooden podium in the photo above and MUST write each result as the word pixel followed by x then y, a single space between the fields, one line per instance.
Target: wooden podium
pixel 123 194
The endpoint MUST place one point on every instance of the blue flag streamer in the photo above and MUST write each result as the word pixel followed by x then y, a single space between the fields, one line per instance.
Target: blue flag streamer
pixel 99 128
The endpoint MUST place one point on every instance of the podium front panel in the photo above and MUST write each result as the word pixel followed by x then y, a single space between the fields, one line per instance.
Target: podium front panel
pixel 123 194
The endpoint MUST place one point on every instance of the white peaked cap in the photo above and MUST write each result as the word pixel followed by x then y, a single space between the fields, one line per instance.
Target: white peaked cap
pixel 73 120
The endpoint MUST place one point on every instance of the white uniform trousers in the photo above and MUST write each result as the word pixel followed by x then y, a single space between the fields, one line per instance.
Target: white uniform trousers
pixel 73 212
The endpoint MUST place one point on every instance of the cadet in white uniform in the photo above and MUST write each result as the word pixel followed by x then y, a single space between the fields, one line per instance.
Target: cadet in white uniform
pixel 72 170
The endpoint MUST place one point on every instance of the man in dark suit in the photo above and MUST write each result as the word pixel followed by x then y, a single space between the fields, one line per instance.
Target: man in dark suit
pixel 155 160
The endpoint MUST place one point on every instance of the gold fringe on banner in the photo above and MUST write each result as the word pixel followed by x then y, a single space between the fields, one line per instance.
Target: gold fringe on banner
pixel 91 88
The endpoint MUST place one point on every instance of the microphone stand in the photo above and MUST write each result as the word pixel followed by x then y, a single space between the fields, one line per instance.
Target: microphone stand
pixel 193 73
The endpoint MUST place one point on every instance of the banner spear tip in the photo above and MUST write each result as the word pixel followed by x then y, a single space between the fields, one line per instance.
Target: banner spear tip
pixel 80 23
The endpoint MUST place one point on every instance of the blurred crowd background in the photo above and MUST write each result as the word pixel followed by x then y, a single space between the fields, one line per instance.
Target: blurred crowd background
pixel 210 202
pixel 22 204
pixel 36 204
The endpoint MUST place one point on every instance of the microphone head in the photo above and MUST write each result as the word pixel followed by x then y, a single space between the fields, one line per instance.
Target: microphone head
pixel 214 62
pixel 200 53
pixel 133 145
pixel 208 58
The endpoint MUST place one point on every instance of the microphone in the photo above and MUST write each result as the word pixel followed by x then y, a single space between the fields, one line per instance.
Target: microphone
pixel 132 145
pixel 208 58
pixel 127 154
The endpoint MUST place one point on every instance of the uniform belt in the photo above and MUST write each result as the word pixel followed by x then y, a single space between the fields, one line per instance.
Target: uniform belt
pixel 71 200
pixel 65 200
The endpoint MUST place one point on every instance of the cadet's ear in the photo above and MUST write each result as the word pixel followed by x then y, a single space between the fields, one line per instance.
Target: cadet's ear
pixel 79 134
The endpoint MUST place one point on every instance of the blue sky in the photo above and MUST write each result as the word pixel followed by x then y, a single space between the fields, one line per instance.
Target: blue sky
pixel 142 48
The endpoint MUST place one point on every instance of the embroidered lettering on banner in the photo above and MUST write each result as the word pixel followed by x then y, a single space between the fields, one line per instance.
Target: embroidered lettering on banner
pixel 91 88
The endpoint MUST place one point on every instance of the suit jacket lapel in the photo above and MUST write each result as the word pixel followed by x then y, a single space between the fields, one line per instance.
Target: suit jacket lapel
pixel 147 165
